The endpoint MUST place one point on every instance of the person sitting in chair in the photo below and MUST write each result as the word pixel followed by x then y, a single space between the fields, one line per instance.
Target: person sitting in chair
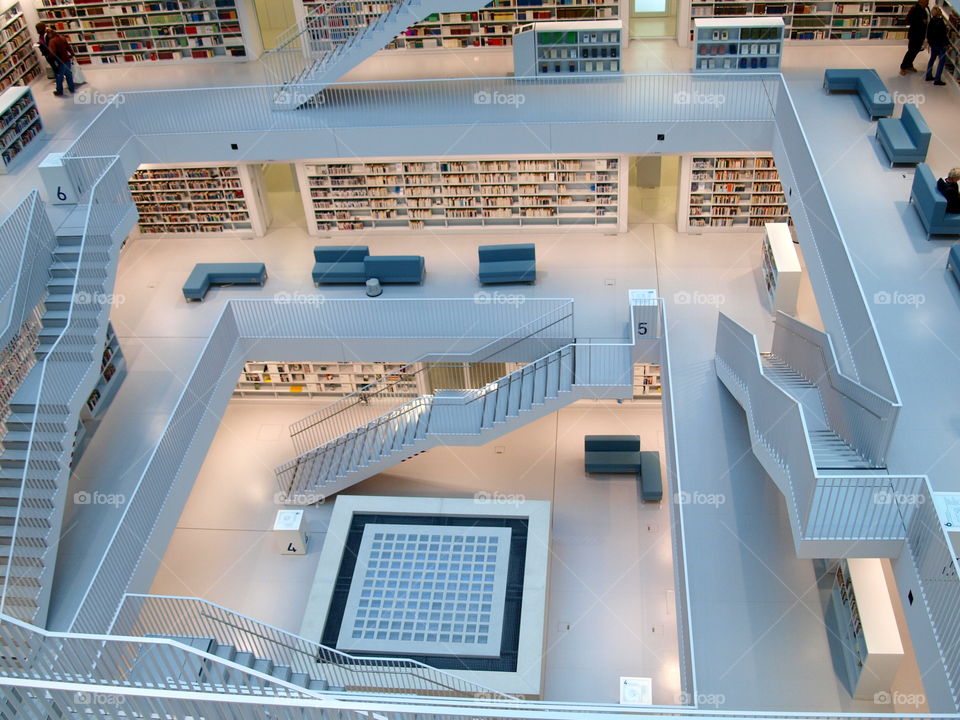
pixel 950 190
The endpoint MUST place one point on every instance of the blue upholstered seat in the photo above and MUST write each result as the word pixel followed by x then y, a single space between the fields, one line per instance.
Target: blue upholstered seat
pixel 612 454
pixel 931 205
pixel 394 268
pixel 904 139
pixel 339 264
pixel 508 263
pixel 866 83
pixel 206 274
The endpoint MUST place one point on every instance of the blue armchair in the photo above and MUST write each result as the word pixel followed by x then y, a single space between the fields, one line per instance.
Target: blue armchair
pixel 339 264
pixel 906 139
pixel 508 263
pixel 931 205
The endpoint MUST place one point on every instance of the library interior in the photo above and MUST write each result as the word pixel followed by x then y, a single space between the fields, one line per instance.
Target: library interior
pixel 454 358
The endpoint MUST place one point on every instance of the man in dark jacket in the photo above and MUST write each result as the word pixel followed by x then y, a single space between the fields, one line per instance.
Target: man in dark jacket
pixel 61 50
pixel 44 50
pixel 916 35
pixel 937 40
pixel 951 190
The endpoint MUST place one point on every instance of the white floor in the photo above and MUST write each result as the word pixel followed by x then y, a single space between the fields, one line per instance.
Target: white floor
pixel 759 636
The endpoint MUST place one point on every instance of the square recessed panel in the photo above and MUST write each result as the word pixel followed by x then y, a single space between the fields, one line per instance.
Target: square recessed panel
pixel 427 590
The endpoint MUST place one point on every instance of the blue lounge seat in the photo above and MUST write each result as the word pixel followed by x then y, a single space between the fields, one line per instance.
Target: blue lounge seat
pixel 612 454
pixel 651 484
pixel 931 205
pixel 905 139
pixel 339 264
pixel 953 262
pixel 206 274
pixel 508 263
pixel 394 268
pixel 866 83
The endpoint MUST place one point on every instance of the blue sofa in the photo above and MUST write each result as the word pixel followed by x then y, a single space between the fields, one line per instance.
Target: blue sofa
pixel 394 268
pixel 931 205
pixel 866 83
pixel 339 264
pixel 612 454
pixel 206 274
pixel 904 139
pixel 335 264
pixel 508 263
pixel 953 262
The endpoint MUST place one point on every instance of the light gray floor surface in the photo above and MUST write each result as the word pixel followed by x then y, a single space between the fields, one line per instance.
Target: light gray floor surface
pixel 759 636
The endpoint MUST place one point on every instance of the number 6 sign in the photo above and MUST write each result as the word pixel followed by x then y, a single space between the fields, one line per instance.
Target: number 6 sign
pixel 59 186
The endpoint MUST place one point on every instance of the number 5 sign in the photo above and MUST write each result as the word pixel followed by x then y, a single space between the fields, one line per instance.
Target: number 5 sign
pixel 60 188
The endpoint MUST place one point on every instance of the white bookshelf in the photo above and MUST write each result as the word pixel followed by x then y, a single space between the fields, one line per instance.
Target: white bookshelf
pixel 952 18
pixel 113 369
pixel 200 199
pixel 493 26
pixel 780 267
pixel 292 380
pixel 568 47
pixel 737 45
pixel 646 381
pixel 112 32
pixel 873 21
pixel 464 193
pixel 16 360
pixel 729 192
pixel 20 124
pixel 19 62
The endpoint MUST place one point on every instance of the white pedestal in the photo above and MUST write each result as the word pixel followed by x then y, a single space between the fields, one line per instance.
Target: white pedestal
pixel 636 691
pixel 290 531
pixel 60 189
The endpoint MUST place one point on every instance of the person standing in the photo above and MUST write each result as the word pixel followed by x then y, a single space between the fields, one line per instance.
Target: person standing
pixel 937 40
pixel 45 50
pixel 916 35
pixel 62 51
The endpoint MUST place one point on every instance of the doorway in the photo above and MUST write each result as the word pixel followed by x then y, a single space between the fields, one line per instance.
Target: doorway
pixel 653 18
pixel 283 196
pixel 652 190
pixel 273 17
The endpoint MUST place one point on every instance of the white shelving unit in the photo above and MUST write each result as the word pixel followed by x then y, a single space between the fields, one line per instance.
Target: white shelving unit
pixel 20 125
pixel 113 368
pixel 200 199
pixel 873 21
pixel 729 192
pixel 646 381
pixel 737 45
pixel 294 380
pixel 863 628
pixel 780 267
pixel 126 31
pixel 19 63
pixel 465 193
pixel 568 47
pixel 493 26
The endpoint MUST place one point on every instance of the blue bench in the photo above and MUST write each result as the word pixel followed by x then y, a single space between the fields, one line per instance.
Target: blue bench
pixel 906 139
pixel 651 484
pixel 612 454
pixel 931 205
pixel 866 83
pixel 354 264
pixel 953 262
pixel 206 274
pixel 339 264
pixel 394 268
pixel 508 263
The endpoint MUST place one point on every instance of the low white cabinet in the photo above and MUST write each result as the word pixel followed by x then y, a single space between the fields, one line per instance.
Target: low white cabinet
pixel 781 269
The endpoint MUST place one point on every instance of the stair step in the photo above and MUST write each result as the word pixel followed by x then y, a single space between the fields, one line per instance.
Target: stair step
pixel 263 665
pixel 64 268
pixel 60 286
pixel 281 672
pixel 300 678
pixel 57 302
pixel 318 685
pixel 226 652
pixel 244 658
pixel 55 318
pixel 68 240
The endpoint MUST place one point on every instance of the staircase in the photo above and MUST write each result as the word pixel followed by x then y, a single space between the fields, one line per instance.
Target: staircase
pixel 457 417
pixel 28 573
pixel 333 39
pixel 830 451
pixel 228 652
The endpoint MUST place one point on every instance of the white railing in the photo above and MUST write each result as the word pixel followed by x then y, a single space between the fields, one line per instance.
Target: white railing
pixel 860 416
pixel 688 676
pixel 862 508
pixel 111 662
pixel 839 293
pixel 149 615
pixel 68 371
pixel 542 334
pixel 26 252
